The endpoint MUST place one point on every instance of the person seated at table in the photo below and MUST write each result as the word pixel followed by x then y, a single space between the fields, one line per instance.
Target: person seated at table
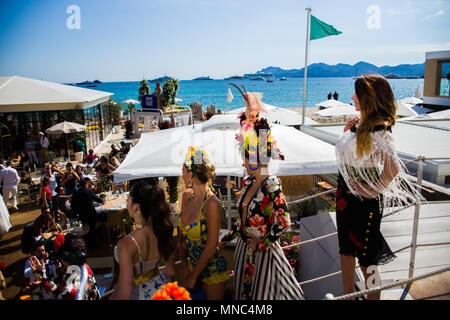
pixel 62 203
pixel 15 157
pixel 125 148
pixel 73 254
pixel 69 179
pixel 113 160
pixel 83 206
pixel 54 174
pixel 24 161
pixel 81 174
pixel 39 269
pixel 45 223
pixel 90 156
pixel 26 179
pixel 103 167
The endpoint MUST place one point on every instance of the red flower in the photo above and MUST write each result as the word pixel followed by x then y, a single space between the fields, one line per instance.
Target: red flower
pixel 341 204
pixel 171 291
pixel 264 202
pixel 284 221
pixel 59 241
pixel 256 220
pixel 280 200
pixel 249 270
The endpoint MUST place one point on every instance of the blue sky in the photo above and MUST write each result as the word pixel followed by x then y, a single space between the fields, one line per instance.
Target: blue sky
pixel 122 40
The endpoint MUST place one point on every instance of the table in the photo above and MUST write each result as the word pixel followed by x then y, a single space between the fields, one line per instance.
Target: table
pixel 113 202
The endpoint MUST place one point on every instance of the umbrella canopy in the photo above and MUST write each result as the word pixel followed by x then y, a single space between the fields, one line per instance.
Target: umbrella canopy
pixel 162 153
pixel 65 127
pixel 412 100
pixel 332 103
pixel 417 94
pixel 131 101
pixel 338 111
pixel 404 109
pixel 282 116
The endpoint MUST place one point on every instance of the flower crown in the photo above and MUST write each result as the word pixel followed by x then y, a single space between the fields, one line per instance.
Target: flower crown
pixel 195 155
pixel 254 139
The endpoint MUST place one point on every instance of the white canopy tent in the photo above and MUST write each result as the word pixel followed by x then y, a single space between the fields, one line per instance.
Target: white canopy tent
pixel 161 153
pixel 282 116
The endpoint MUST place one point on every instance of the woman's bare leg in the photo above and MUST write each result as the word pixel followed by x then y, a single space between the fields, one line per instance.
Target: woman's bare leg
pixel 348 273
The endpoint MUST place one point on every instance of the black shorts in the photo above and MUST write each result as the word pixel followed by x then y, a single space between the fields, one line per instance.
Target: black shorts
pixel 358 223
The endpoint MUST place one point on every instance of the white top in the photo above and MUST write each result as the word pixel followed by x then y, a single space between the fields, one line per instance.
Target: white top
pixel 44 142
pixel 9 177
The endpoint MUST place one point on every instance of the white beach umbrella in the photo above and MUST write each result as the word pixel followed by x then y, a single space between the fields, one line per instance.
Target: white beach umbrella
pixel 178 100
pixel 338 111
pixel 332 103
pixel 131 101
pixel 417 94
pixel 404 109
pixel 65 127
pixel 279 115
pixel 411 100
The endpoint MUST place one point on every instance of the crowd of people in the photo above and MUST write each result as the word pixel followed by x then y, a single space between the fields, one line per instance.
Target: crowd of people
pixel 262 271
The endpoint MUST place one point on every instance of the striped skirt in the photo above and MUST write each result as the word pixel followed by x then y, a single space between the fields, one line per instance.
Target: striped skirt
pixel 264 275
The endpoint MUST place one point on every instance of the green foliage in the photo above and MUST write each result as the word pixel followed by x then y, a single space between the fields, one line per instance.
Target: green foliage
pixel 172 188
pixel 144 89
pixel 170 89
pixel 128 221
pixel 105 183
pixel 114 108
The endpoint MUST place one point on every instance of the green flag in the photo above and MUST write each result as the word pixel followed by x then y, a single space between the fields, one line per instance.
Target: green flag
pixel 320 29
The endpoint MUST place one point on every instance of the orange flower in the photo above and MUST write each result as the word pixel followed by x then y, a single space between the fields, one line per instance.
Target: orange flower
pixel 171 291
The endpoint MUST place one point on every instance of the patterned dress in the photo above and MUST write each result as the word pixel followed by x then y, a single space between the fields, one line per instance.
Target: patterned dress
pixel 195 237
pixel 264 273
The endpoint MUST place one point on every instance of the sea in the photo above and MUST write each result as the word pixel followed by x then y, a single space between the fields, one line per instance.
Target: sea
pixel 283 94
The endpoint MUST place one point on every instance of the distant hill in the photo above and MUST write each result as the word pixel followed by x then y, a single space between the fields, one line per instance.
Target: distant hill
pixel 346 70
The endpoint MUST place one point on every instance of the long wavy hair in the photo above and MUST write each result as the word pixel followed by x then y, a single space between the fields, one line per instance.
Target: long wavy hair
pixel 154 209
pixel 377 103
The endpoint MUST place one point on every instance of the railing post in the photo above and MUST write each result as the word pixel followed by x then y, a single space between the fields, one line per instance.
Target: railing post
pixel 416 220
pixel 229 202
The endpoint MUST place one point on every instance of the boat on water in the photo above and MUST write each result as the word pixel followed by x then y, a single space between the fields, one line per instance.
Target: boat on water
pixel 269 80
pixel 258 78
pixel 283 79
pixel 202 78
pixel 234 78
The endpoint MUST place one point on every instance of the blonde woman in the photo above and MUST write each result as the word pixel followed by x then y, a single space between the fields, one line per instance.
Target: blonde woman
pixel 202 264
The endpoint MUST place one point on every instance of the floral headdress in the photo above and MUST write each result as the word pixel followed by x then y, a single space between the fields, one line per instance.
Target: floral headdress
pixel 254 139
pixel 195 155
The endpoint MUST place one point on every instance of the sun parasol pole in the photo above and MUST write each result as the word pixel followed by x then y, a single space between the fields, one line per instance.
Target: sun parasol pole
pixel 308 19
pixel 68 152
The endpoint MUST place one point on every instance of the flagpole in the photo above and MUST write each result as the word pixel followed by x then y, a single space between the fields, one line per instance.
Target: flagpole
pixel 308 19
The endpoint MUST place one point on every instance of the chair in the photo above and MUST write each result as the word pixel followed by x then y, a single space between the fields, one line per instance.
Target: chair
pixel 115 220
pixel 24 189
pixel 104 270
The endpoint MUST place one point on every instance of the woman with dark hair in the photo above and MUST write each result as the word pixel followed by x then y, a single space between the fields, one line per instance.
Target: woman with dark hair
pixel 199 225
pixel 139 254
pixel 262 270
pixel 46 194
pixel 103 167
pixel 371 179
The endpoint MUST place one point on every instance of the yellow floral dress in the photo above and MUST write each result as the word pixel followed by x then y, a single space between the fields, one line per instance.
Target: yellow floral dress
pixel 195 236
